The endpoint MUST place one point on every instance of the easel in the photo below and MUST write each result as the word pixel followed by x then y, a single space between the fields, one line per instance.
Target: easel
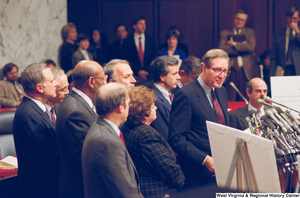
pixel 241 155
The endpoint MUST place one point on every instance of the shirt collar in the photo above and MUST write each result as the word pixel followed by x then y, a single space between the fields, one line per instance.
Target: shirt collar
pixel 262 110
pixel 206 88
pixel 179 84
pixel 164 92
pixel 39 103
pixel 136 36
pixel 84 96
pixel 113 125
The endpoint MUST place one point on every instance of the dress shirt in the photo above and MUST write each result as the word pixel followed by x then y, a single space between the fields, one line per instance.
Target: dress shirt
pixel 164 92
pixel 239 58
pixel 207 91
pixel 113 125
pixel 85 54
pixel 84 96
pixel 39 103
pixel 136 41
pixel 179 84
pixel 262 110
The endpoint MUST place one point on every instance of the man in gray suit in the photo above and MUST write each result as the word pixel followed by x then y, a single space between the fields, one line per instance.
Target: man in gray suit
pixel 239 43
pixel 11 92
pixel 74 118
pixel 108 170
pixel 285 51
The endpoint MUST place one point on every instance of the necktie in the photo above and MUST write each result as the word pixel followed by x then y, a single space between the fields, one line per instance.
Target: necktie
pixel 18 90
pixel 51 114
pixel 122 138
pixel 258 113
pixel 219 112
pixel 289 57
pixel 140 51
pixel 171 97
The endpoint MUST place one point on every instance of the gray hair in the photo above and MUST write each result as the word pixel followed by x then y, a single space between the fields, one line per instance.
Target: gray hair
pixel 214 53
pixel 159 66
pixel 110 71
pixel 32 75
pixel 191 63
pixel 109 96
pixel 57 73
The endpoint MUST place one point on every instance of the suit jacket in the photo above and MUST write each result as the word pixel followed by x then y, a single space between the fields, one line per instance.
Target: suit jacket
pixel 245 50
pixel 188 133
pixel 74 118
pixel 278 57
pixel 37 151
pixel 238 118
pixel 8 94
pixel 65 55
pixel 78 56
pixel 130 53
pixel 108 170
pixel 161 123
pixel 154 160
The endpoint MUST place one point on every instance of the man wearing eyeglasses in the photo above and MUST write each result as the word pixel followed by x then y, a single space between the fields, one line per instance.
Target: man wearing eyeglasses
pixel 285 50
pixel 201 100
pixel 74 118
pixel 239 43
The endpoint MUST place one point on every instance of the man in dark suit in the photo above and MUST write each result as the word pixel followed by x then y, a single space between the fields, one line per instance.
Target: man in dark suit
pixel 202 100
pixel 115 49
pixel 11 92
pixel 285 50
pixel 239 42
pixel 165 73
pixel 139 49
pixel 74 118
pixel 256 89
pixel 189 70
pixel 108 170
pixel 35 136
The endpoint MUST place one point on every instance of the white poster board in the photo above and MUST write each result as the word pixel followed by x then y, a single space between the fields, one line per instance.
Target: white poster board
pixel 222 143
pixel 286 90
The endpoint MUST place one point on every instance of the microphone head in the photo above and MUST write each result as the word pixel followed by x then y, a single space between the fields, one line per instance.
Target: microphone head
pixel 274 110
pixel 288 111
pixel 252 111
pixel 268 99
pixel 269 112
pixel 260 101
pixel 248 119
pixel 233 85
pixel 279 110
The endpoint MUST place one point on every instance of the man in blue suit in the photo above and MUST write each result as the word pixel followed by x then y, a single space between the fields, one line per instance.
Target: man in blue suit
pixel 201 100
pixel 285 51
pixel 165 73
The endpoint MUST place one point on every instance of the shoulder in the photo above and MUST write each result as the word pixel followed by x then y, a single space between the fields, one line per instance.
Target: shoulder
pixel 239 112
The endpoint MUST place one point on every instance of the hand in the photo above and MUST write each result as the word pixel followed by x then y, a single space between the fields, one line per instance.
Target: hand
pixel 245 42
pixel 209 164
pixel 230 42
pixel 294 25
pixel 143 74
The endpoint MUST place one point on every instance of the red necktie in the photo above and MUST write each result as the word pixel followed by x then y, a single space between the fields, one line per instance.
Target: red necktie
pixel 171 97
pixel 122 138
pixel 141 54
pixel 219 112
pixel 51 114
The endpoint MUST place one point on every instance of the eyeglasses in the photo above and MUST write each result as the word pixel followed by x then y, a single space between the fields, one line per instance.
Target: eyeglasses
pixel 219 71
pixel 104 78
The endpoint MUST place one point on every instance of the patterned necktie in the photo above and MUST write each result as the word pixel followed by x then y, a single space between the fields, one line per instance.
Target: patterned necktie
pixel 140 51
pixel 258 113
pixel 171 97
pixel 219 112
pixel 122 138
pixel 51 114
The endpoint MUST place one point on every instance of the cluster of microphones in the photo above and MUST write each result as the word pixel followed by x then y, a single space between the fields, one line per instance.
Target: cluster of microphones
pixel 282 128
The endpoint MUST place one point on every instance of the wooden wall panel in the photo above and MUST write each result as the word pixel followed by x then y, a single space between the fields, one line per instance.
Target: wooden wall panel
pixel 195 19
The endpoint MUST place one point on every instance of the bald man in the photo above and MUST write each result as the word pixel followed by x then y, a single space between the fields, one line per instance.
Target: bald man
pixel 256 89
pixel 74 118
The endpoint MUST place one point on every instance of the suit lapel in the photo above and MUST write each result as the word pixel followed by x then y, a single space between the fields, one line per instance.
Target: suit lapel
pixel 13 90
pixel 84 103
pixel 160 97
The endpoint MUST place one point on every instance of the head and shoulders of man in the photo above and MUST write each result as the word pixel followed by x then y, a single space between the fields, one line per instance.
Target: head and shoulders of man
pixel 11 73
pixel 165 73
pixel 118 70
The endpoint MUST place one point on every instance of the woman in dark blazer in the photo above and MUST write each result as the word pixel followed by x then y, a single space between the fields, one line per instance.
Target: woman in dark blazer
pixel 98 46
pixel 154 159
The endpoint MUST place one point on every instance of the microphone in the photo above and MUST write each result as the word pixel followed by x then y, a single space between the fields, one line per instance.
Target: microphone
pixel 268 99
pixel 281 119
pixel 288 113
pixel 261 101
pixel 269 112
pixel 238 91
pixel 248 119
pixel 261 68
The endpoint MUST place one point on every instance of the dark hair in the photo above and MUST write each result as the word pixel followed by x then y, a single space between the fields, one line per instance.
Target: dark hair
pixel 159 66
pixel 191 63
pixel 65 30
pixel 290 12
pixel 103 37
pixel 49 61
pixel 172 33
pixel 175 27
pixel 120 24
pixel 137 19
pixel 8 67
pixel 81 37
pixel 240 11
